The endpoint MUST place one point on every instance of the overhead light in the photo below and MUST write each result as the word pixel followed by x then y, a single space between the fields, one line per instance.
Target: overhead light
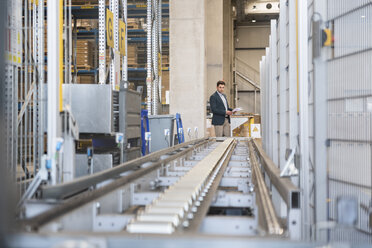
pixel 254 7
pixel 363 16
pixel 253 20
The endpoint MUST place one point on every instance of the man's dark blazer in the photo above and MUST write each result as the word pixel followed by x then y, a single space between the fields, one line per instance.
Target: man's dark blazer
pixel 218 109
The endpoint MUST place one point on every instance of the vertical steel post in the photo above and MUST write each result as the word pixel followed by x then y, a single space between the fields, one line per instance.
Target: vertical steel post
pixel 112 51
pixel 66 42
pixel 155 57
pixel 124 75
pixel 148 49
pixel 274 91
pixel 304 116
pixel 283 77
pixel 115 71
pixel 53 82
pixel 102 41
pixel 41 80
pixel 320 121
pixel 35 92
pixel 263 103
pixel 25 86
pixel 69 41
pixel 292 74
pixel 160 71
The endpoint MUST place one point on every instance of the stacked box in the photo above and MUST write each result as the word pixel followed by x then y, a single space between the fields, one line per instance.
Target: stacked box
pixel 165 60
pixel 85 79
pixel 85 54
pixel 210 128
pixel 134 23
pixel 84 2
pixel 257 119
pixel 86 24
pixel 164 85
pixel 165 23
pixel 242 130
pixel 132 55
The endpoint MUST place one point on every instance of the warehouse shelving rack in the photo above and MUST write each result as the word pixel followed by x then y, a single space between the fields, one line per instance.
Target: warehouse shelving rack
pixel 135 36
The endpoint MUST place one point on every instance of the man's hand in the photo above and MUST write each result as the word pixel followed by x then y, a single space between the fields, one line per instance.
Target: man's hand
pixel 229 112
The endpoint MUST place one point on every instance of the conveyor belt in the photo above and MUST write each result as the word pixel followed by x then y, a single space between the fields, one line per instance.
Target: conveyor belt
pixel 176 204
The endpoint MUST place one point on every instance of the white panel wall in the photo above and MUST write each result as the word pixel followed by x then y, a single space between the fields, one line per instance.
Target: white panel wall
pixel 349 113
pixel 286 118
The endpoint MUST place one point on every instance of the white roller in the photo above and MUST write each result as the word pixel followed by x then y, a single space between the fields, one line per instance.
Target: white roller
pixel 170 208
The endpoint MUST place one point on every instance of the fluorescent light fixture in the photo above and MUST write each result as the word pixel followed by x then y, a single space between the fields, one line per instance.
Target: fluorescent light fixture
pixel 254 20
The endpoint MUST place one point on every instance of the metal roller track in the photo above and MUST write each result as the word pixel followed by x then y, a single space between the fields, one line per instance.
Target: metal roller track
pixel 88 196
pixel 268 212
pixel 175 207
pixel 288 191
pixel 65 190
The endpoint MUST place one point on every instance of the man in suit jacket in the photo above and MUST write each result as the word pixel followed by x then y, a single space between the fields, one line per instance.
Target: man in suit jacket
pixel 221 111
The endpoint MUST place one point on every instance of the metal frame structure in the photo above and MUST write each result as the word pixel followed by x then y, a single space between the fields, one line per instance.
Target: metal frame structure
pixel 178 186
pixel 320 118
pixel 53 84
pixel 154 43
pixel 24 84
pixel 149 57
pixel 27 127
pixel 102 41
pixel 124 74
pixel 323 95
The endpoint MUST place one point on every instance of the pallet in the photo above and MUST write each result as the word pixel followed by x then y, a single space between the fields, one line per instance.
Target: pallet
pixel 84 67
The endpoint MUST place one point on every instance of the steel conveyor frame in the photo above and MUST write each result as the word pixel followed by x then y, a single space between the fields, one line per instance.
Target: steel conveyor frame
pixel 152 161
pixel 65 190
pixel 198 176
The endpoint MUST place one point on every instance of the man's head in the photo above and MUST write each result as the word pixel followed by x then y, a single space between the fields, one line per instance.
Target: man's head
pixel 220 86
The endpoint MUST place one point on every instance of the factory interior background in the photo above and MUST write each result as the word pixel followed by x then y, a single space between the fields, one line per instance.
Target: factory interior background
pixel 106 130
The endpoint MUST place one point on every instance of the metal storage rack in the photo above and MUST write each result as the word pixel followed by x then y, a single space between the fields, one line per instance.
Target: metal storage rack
pixel 136 73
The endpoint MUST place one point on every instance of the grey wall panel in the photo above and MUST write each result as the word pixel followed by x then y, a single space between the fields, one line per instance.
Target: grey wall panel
pixel 350 162
pixel 349 113
pixel 350 235
pixel 100 162
pixel 348 38
pixel 252 37
pixel 351 76
pixel 91 105
pixel 363 195
pixel 339 7
pixel 350 126
pixel 246 101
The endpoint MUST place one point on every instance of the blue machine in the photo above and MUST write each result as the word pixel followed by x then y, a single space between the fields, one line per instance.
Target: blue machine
pixel 145 128
pixel 180 133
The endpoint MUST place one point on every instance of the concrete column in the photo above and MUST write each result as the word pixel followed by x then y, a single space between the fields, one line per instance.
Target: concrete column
pixel 188 88
pixel 228 48
pixel 215 44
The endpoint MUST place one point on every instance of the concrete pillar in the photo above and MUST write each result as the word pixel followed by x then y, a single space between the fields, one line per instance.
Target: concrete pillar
pixel 228 50
pixel 215 44
pixel 188 88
